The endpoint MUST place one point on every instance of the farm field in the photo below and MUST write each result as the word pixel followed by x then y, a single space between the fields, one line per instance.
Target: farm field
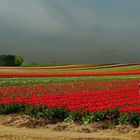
pixel 107 95
pixel 68 71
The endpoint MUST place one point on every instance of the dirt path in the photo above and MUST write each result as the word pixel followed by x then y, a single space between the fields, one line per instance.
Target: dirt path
pixel 13 133
pixel 58 131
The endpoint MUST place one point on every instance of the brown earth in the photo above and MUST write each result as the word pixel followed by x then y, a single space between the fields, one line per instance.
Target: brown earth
pixel 22 127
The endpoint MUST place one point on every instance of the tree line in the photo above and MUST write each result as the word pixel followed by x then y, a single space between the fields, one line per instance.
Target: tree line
pixel 11 60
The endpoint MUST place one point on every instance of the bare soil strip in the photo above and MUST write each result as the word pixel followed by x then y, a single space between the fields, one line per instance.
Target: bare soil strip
pixel 59 131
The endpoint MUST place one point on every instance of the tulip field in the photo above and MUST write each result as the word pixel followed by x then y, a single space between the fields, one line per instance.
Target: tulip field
pixel 72 95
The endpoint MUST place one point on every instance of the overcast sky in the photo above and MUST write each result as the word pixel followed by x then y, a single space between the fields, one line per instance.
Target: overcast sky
pixel 71 31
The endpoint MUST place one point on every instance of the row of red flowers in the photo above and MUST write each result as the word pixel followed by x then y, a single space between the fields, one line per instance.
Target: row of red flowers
pixel 49 89
pixel 86 101
pixel 66 74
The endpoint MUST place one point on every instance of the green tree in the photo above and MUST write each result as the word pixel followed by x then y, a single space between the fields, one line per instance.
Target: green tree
pixel 18 60
pixel 11 60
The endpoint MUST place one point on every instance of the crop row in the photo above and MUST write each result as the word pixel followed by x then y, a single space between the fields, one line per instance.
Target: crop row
pixel 49 89
pixel 123 100
pixel 66 74
pixel 133 79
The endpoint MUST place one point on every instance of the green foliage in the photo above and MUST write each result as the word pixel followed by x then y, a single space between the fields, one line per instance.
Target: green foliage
pixel 10 60
pixel 55 113
pixel 88 118
pixel 18 60
pixel 59 113
pixel 134 119
pixel 11 108
pixel 7 60
pixel 56 80
pixel 72 116
pixel 124 118
pixel 100 116
pixel 40 112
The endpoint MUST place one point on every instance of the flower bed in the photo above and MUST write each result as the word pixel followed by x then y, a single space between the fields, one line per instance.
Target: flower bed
pixel 65 74
pixel 85 106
